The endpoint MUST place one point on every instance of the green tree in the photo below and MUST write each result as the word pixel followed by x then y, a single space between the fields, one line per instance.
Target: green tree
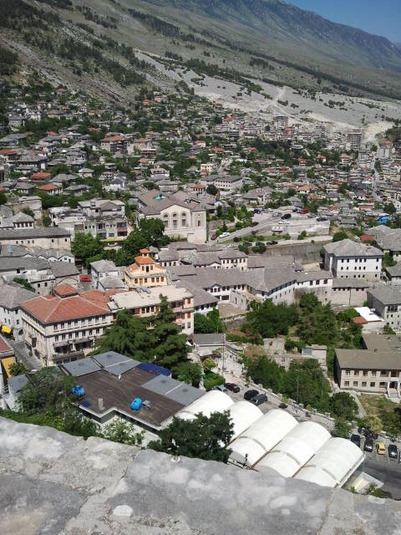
pixel 269 320
pixel 189 372
pixel 18 368
pixel 48 390
pixel 203 437
pixel 317 322
pixel 149 233
pixel 388 260
pixel 342 428
pixel 340 235
pixel 129 335
pixel 343 405
pixel 29 212
pixel 86 247
pixel 212 190
pixel 3 198
pixel 389 208
pixel 209 323
pixel 123 432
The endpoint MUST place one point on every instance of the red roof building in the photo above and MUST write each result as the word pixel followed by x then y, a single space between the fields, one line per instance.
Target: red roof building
pixel 62 326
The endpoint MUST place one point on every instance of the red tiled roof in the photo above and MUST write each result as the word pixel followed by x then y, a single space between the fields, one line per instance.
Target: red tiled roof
pixel 144 251
pixel 65 290
pixel 144 260
pixel 8 152
pixel 41 175
pixel 54 309
pixel 4 346
pixel 49 187
pixel 359 320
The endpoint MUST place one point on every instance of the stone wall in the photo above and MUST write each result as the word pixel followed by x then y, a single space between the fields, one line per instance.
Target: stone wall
pixel 54 483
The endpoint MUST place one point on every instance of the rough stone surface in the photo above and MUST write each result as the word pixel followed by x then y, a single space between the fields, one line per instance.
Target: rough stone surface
pixel 52 483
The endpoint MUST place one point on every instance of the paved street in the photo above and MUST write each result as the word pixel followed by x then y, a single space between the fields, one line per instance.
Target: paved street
pixel 386 470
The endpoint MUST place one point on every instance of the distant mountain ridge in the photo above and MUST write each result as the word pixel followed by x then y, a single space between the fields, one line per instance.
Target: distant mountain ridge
pixel 98 43
pixel 294 27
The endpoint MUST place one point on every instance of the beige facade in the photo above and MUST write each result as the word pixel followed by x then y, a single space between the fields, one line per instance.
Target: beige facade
pixel 146 302
pixel 376 369
pixel 61 327
pixel 144 272
pixel 47 238
pixel 183 222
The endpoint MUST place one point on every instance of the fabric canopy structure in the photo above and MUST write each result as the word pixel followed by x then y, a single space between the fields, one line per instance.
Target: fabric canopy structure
pixel 243 414
pixel 212 401
pixel 333 464
pixel 295 450
pixel 262 436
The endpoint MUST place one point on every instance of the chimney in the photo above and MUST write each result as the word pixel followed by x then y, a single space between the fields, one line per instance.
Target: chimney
pixel 100 404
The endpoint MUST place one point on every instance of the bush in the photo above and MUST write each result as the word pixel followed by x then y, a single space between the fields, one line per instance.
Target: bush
pixel 212 379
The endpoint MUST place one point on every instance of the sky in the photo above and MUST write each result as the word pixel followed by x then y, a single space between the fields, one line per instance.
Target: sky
pixel 380 17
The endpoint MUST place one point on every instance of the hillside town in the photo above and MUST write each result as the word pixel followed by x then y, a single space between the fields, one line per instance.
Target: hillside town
pixel 147 251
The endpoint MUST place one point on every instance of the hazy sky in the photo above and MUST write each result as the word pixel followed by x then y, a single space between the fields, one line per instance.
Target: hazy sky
pixel 380 17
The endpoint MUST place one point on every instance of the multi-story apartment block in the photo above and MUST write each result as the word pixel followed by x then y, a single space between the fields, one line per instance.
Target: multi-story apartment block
pixel 98 217
pixel 60 327
pixel 349 259
pixel 114 143
pixel 375 369
pixel 48 238
pixel 181 219
pixel 145 302
pixel 386 301
pixel 144 272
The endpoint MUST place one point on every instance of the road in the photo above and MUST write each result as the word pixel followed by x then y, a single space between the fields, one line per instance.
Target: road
pixel 384 469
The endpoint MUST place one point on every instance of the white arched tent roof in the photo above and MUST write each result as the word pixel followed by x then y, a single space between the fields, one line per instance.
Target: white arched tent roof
pixel 212 401
pixel 243 414
pixel 295 449
pixel 333 464
pixel 262 436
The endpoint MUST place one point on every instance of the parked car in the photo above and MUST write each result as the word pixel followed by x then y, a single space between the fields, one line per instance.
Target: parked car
pixel 286 216
pixel 85 278
pixel 368 446
pixel 222 388
pixel 271 242
pixel 283 406
pixel 249 394
pixel 380 448
pixel 259 399
pixel 304 211
pixel 213 237
pixel 356 439
pixel 259 243
pixel 224 235
pixel 233 387
pixel 392 451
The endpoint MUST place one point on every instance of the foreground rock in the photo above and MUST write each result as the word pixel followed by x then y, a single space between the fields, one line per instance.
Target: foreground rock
pixel 53 483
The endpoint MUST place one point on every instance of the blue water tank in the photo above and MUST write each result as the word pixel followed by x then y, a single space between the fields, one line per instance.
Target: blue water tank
pixel 136 405
pixel 78 391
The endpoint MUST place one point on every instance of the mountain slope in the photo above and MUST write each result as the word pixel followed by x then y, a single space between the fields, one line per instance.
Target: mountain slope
pixel 292 26
pixel 95 44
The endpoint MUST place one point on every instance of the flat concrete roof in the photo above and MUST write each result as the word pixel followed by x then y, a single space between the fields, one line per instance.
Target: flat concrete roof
pixel 119 393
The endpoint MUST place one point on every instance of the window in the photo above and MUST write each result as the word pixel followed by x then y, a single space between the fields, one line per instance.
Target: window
pixel 372 385
pixel 346 383
pixel 364 384
pixel 373 374
pixel 355 383
pixel 365 373
pixel 347 372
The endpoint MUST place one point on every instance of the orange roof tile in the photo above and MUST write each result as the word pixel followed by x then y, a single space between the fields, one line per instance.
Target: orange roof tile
pixel 54 309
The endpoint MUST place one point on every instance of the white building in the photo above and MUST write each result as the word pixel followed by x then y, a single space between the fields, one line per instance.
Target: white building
pixel 60 327
pixel 349 259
